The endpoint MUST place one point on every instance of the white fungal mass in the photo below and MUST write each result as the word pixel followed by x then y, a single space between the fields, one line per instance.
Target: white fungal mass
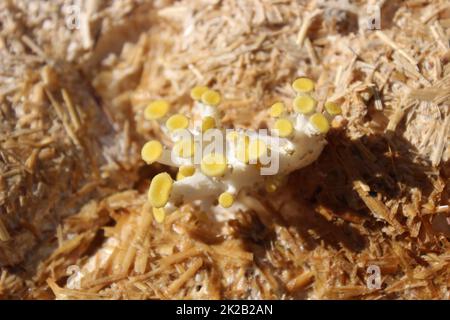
pixel 216 164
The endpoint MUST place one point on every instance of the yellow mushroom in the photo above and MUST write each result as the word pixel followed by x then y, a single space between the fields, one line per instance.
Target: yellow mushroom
pixel 159 214
pixel 276 109
pixel 249 148
pixel 197 92
pixel 184 148
pixel 242 142
pixel 185 171
pixel 211 98
pixel 332 108
pixel 156 110
pixel 303 85
pixel 177 122
pixel 208 123
pixel 320 122
pixel 226 199
pixel 214 165
pixel 304 104
pixel 160 189
pixel 272 184
pixel 256 149
pixel 283 127
pixel 232 136
pixel 151 151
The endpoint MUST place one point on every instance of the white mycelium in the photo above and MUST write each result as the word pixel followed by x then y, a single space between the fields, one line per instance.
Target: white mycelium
pixel 216 164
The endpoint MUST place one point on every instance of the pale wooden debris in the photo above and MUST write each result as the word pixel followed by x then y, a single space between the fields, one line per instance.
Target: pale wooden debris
pixel 186 276
pixel 4 234
pixel 73 112
pixel 394 46
pixel 301 281
pixel 376 196
pixel 306 23
pixel 62 116
pixel 442 142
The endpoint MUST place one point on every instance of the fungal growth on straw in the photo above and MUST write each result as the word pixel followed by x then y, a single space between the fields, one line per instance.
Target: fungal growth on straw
pixel 216 164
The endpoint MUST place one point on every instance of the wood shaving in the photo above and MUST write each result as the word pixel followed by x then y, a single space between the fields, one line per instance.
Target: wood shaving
pixel 72 187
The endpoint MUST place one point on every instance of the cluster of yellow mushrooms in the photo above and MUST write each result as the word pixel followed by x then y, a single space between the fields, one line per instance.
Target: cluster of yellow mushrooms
pixel 216 164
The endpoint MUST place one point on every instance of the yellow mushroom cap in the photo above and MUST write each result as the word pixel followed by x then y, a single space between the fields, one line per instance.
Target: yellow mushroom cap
pixel 283 127
pixel 271 186
pixel 320 122
pixel 304 104
pixel 303 85
pixel 156 110
pixel 232 136
pixel 185 171
pixel 273 183
pixel 159 214
pixel 333 108
pixel 211 98
pixel 160 189
pixel 208 123
pixel 276 109
pixel 198 91
pixel 256 149
pixel 242 143
pixel 177 122
pixel 151 151
pixel 226 200
pixel 214 165
pixel 184 148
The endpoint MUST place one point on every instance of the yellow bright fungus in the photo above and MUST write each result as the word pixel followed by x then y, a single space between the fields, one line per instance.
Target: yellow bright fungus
pixel 156 110
pixel 232 136
pixel 283 127
pixel 185 171
pixel 226 200
pixel 208 123
pixel 214 164
pixel 151 151
pixel 242 143
pixel 332 108
pixel 256 149
pixel 176 122
pixel 211 98
pixel 304 104
pixel 197 92
pixel 303 85
pixel 320 123
pixel 184 148
pixel 276 109
pixel 159 191
pixel 159 214
pixel 272 184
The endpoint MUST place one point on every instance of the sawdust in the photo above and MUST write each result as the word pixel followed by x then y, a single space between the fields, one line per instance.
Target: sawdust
pixel 72 190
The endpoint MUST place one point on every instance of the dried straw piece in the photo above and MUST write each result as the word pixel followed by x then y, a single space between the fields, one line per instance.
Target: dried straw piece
pixel 377 207
pixel 300 281
pixel 4 235
pixel 186 276
pixel 394 46
pixel 250 65
pixel 73 112
pixel 306 23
